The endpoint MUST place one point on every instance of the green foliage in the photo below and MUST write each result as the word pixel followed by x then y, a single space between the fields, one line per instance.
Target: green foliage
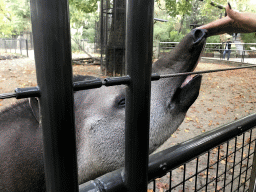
pixel 14 16
pixel 82 24
pixel 85 6
pixel 248 38
pixel 5 24
pixel 173 8
pixel 162 31
pixel 175 36
pixel 213 39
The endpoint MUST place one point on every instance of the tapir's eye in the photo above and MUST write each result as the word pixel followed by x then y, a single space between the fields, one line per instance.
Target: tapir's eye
pixel 121 102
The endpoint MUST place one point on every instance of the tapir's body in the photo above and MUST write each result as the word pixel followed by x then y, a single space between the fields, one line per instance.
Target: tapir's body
pixel 99 118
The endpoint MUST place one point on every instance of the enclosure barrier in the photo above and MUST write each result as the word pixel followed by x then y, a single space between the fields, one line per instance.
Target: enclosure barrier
pixel 215 48
pixel 14 46
pixel 55 92
pixel 165 161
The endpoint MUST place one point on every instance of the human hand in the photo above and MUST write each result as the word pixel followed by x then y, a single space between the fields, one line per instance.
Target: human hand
pixel 234 22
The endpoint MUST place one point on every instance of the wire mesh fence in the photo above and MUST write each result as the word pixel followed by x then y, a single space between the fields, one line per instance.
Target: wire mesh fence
pixel 226 167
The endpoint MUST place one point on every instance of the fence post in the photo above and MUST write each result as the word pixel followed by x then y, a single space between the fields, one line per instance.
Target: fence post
pixel 5 46
pixel 139 45
pixel 26 46
pixel 20 47
pixel 52 45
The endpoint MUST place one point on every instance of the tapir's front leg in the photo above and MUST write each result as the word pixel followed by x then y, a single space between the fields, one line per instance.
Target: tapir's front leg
pixel 234 22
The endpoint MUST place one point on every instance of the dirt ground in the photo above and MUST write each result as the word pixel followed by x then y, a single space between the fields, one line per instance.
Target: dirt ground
pixel 224 96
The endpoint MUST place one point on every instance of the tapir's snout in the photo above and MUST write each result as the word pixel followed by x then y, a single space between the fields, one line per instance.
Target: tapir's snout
pixel 199 35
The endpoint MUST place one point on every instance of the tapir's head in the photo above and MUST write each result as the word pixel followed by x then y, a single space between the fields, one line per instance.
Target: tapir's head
pixel 172 97
pixel 100 113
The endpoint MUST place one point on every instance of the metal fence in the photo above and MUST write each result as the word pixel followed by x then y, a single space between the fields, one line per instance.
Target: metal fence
pixel 244 52
pixel 19 46
pixel 215 156
pixel 221 160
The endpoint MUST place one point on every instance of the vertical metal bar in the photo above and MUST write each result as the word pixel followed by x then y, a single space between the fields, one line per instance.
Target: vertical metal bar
pixel 184 176
pixel 20 48
pixel 217 170
pixel 27 46
pixel 139 45
pixel 241 163
pixel 225 172
pixel 101 36
pixel 170 181
pixel 207 170
pixel 253 172
pixel 197 162
pixel 51 33
pixel 5 46
pixel 234 163
pixel 247 164
pixel 106 35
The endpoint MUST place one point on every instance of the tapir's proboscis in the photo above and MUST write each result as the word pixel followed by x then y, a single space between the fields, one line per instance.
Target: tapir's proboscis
pixel 100 122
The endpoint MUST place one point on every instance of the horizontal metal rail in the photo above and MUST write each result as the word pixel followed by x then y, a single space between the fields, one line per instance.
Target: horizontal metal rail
pixel 97 82
pixel 162 162
pixel 206 71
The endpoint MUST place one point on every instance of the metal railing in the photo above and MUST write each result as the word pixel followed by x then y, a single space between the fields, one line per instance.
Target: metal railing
pixel 19 46
pixel 222 159
pixel 215 50
pixel 55 92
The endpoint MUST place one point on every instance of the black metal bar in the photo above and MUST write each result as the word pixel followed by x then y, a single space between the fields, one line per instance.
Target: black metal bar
pixel 217 171
pixel 26 46
pixel 170 181
pixel 180 154
pixel 226 163
pixel 51 33
pixel 27 92
pixel 241 162
pixel 89 84
pixel 234 162
pixel 184 177
pixel 247 164
pixel 117 81
pixel 207 170
pixel 196 174
pixel 139 47
pixel 252 185
pixel 101 36
pixel 202 72
pixel 161 20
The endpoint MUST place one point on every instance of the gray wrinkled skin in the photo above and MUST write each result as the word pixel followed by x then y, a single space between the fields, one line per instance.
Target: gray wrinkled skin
pixel 99 118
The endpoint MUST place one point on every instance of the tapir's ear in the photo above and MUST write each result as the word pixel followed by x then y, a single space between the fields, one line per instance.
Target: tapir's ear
pixel 187 94
pixel 34 104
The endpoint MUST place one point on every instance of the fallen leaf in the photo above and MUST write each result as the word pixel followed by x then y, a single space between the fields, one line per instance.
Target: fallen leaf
pixel 248 140
pixel 160 185
pixel 186 130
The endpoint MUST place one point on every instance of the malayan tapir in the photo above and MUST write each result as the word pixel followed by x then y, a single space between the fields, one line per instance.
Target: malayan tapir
pixel 99 119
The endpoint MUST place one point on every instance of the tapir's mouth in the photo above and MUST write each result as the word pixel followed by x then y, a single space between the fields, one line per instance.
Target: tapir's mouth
pixel 199 40
pixel 191 77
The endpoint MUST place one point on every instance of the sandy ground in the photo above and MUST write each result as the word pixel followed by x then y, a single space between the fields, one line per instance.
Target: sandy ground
pixel 224 97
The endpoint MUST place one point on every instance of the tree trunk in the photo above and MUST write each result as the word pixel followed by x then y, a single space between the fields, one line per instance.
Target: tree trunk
pixel 115 51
